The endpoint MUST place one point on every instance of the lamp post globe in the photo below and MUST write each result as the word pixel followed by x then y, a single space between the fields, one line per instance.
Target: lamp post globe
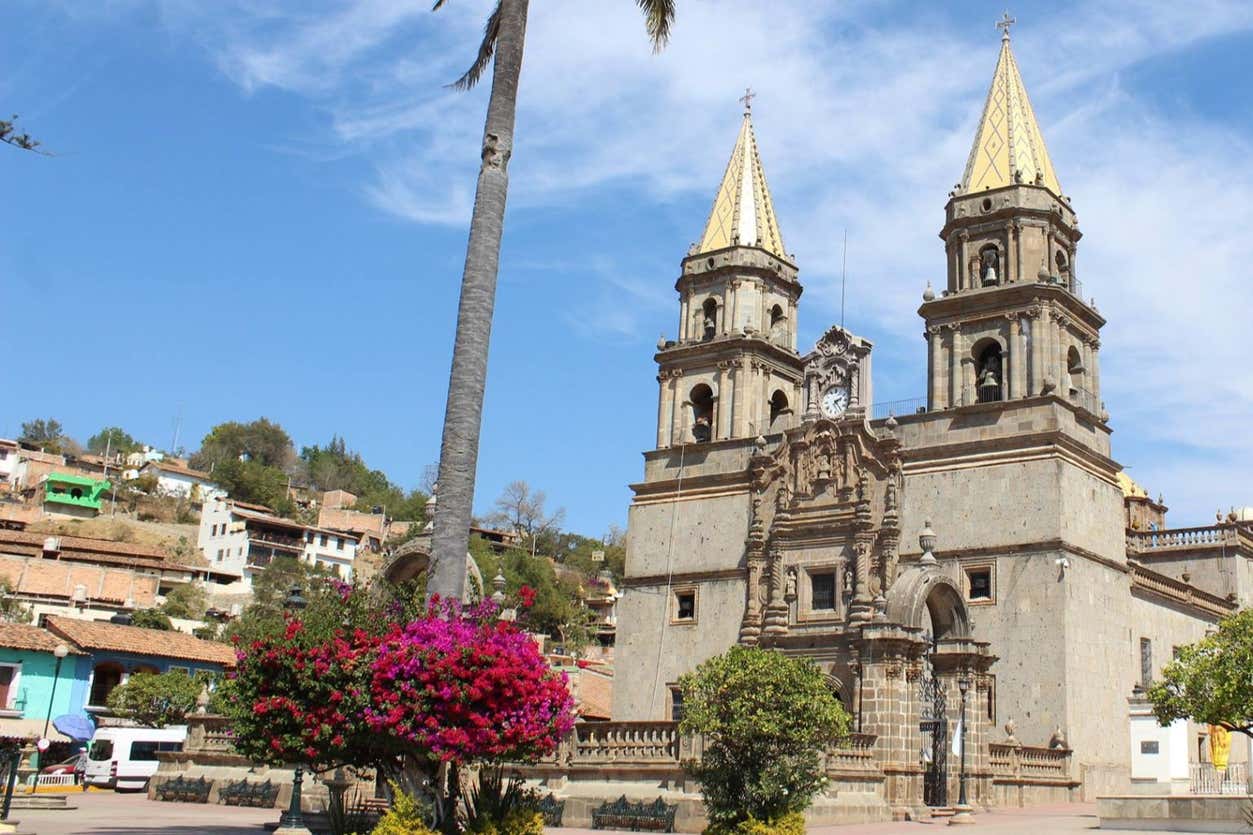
pixel 963 810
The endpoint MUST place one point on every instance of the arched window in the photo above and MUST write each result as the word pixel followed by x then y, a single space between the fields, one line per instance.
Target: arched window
pixel 988 373
pixel 1063 268
pixel 779 411
pixel 989 266
pixel 778 325
pixel 104 677
pixel 1074 367
pixel 702 399
pixel 709 321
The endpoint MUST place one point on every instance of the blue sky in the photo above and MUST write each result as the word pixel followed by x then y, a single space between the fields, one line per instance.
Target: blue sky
pixel 260 208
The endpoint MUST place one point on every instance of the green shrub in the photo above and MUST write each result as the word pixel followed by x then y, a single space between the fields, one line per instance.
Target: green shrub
pixel 406 817
pixel 767 719
pixel 497 806
pixel 792 823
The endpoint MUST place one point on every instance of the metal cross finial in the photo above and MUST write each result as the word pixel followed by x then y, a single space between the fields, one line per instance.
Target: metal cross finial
pixel 1003 24
pixel 747 99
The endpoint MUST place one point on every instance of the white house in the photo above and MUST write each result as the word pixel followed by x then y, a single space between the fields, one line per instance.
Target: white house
pixel 179 480
pixel 8 462
pixel 241 539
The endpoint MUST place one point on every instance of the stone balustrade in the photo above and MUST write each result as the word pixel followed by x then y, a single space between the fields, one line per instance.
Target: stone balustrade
pixel 1024 775
pixel 1228 534
pixel 625 742
pixel 1177 591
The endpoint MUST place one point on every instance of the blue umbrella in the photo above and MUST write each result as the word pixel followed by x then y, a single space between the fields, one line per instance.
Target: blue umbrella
pixel 75 726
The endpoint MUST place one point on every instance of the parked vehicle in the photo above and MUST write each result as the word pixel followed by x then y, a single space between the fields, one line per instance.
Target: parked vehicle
pixel 63 767
pixel 126 758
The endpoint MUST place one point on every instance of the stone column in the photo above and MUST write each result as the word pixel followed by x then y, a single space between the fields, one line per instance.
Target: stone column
pixel 962 278
pixel 724 326
pixel 1060 344
pixel 735 306
pixel 684 325
pixel 1096 372
pixel 1020 274
pixel 955 367
pixel 935 351
pixel 1039 325
pixel 739 425
pixel 663 429
pixel 763 398
pixel 1020 350
pixel 676 408
pixel 886 704
pixel 1010 267
pixel 1013 359
pixel 724 402
pixel 953 658
pixel 968 380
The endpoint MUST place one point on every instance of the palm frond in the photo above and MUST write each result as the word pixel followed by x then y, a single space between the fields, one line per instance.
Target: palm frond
pixel 486 49
pixel 658 19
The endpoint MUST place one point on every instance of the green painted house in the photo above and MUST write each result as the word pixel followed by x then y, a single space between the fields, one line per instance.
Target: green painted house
pixel 73 495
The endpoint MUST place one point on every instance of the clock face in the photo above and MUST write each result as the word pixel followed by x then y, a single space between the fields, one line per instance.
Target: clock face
pixel 835 401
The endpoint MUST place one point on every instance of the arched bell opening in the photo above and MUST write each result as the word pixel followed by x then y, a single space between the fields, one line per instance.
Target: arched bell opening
pixel 702 400
pixel 709 319
pixel 778 325
pixel 989 266
pixel 989 377
pixel 780 411
pixel 1075 370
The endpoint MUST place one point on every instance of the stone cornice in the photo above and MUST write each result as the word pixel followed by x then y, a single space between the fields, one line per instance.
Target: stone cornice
pixel 729 347
pixel 680 578
pixel 1149 582
pixel 1016 297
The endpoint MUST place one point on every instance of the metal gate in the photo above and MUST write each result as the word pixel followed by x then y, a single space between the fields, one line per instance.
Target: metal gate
pixel 934 726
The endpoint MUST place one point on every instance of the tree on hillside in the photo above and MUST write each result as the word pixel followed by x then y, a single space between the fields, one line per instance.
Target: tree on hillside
pixel 503 40
pixel 186 601
pixel 1211 681
pixel 252 481
pixel 12 610
pixel 521 509
pixel 112 439
pixel 261 441
pixel 335 467
pixel 43 433
pixel 152 619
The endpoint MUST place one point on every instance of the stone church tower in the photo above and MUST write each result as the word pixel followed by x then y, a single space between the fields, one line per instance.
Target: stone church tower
pixel 733 372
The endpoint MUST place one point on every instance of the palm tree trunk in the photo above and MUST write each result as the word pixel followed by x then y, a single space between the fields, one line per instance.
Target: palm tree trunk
pixel 463 415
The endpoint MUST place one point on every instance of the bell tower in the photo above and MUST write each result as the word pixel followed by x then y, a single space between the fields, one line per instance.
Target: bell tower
pixel 1011 321
pixel 733 372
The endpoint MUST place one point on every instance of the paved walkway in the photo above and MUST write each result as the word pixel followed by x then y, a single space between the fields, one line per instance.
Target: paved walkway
pixel 107 813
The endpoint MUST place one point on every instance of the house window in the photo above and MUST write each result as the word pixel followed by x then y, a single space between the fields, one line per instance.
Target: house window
pixel 979 583
pixel 1146 662
pixel 322 540
pixel 214 531
pixel 685 606
pixel 339 543
pixel 219 555
pixel 9 675
pixel 309 537
pixel 104 678
pixel 676 704
pixel 823 588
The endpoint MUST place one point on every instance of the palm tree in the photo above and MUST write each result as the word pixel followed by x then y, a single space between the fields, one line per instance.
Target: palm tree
pixel 503 37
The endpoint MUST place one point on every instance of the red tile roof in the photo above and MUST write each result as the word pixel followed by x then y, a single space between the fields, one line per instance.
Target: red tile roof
pixel 25 636
pixel 114 637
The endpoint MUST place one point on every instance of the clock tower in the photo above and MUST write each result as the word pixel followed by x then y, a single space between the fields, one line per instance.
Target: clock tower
pixel 734 372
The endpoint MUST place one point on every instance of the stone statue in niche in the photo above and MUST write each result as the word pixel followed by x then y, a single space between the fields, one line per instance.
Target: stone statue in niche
pixel 790 593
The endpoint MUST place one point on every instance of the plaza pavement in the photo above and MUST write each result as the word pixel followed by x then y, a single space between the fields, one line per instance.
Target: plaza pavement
pixel 106 813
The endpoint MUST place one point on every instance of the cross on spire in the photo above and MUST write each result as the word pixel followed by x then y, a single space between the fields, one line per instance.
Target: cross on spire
pixel 1003 24
pixel 747 99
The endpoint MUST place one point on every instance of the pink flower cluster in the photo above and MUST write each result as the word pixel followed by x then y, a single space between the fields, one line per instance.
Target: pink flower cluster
pixel 464 686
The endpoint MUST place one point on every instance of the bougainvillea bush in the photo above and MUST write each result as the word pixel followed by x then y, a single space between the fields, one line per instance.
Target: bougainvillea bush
pixel 465 686
pixel 417 698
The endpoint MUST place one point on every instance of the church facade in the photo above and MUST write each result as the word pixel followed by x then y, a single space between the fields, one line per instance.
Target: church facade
pixel 985 543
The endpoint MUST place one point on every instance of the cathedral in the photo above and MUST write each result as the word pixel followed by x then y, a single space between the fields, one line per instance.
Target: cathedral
pixel 982 548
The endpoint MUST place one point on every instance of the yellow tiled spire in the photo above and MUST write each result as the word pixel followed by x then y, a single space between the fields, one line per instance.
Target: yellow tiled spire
pixel 743 213
pixel 1009 138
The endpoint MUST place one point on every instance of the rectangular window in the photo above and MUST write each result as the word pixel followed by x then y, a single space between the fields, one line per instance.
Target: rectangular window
pixel 219 555
pixel 823 587
pixel 339 543
pixel 322 540
pixel 676 704
pixel 980 583
pixel 309 537
pixel 1146 662
pixel 213 531
pixel 8 688
pixel 685 605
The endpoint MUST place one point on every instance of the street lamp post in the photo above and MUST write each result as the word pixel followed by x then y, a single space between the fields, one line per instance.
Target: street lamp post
pixel 963 811
pixel 293 820
pixel 60 652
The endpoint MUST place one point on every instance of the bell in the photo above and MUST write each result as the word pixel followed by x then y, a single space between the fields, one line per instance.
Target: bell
pixel 989 380
pixel 989 276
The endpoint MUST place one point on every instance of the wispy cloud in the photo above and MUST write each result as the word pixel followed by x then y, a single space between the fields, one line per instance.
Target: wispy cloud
pixel 864 123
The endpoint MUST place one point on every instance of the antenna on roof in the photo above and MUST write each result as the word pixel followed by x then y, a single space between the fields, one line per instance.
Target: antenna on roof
pixel 843 276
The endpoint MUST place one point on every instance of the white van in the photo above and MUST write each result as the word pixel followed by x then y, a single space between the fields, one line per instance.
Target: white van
pixel 125 758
